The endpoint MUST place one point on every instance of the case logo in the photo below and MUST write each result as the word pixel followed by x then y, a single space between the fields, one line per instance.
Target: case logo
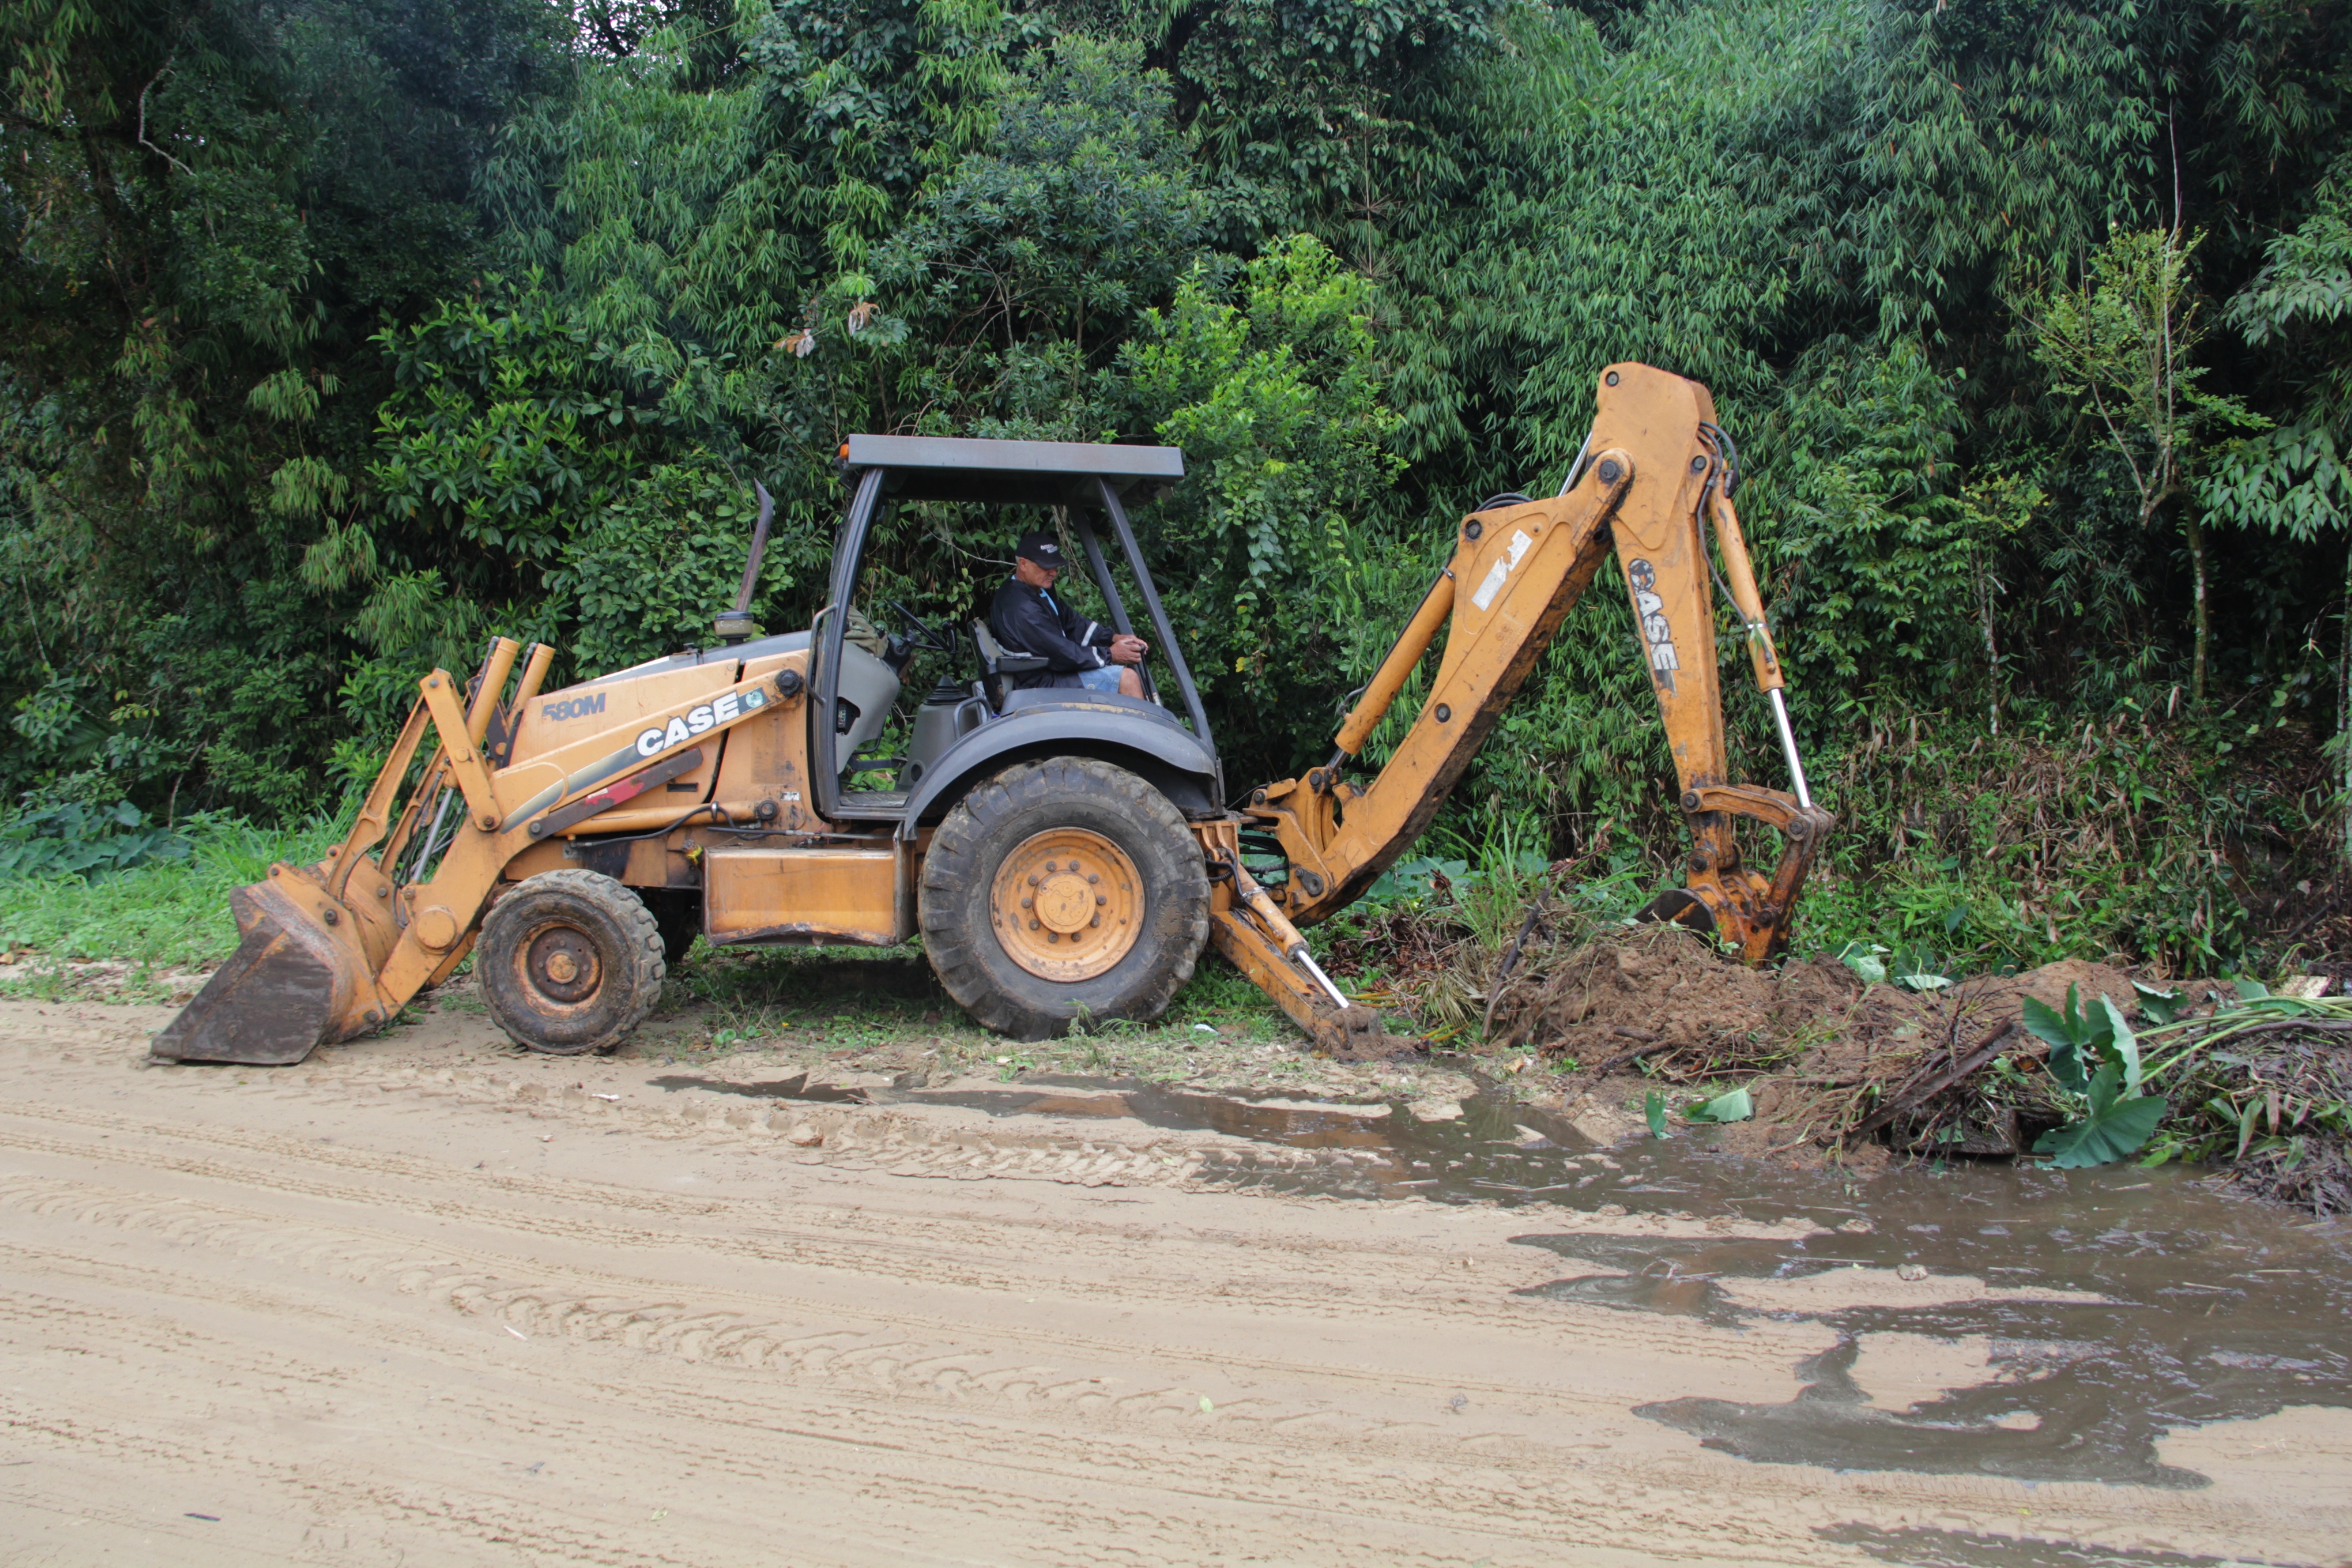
pixel 1651 611
pixel 725 709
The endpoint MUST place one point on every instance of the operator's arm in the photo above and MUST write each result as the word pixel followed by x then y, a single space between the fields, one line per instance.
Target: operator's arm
pixel 1023 623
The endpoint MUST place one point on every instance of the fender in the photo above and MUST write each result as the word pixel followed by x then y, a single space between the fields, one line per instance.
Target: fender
pixel 1165 754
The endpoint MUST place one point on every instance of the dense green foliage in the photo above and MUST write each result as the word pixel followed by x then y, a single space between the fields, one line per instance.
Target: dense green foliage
pixel 335 334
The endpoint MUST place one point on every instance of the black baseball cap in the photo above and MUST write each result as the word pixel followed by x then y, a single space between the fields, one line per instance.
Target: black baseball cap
pixel 1043 549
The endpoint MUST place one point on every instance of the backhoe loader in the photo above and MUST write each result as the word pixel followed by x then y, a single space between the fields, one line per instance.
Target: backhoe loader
pixel 1063 854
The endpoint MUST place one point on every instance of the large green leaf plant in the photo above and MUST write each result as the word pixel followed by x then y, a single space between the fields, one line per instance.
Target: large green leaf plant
pixel 2094 1061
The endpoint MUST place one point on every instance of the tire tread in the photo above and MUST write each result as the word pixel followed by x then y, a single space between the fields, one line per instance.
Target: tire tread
pixel 642 948
pixel 952 866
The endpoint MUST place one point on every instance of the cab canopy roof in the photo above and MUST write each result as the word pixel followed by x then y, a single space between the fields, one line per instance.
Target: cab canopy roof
pixel 1036 473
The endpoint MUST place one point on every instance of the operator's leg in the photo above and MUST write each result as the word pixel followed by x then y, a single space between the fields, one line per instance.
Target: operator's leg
pixel 1130 682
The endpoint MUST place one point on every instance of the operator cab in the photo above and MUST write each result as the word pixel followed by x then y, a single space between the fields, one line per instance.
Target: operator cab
pixel 975 718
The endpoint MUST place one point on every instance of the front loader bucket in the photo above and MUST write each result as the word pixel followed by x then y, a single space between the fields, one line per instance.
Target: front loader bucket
pixel 289 986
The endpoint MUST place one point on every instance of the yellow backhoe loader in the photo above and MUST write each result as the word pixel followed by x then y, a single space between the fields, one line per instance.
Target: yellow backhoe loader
pixel 1064 854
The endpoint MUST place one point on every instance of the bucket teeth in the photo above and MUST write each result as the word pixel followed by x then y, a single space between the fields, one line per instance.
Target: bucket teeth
pixel 271 1003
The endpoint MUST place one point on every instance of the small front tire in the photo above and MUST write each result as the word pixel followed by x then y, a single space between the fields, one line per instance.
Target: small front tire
pixel 570 961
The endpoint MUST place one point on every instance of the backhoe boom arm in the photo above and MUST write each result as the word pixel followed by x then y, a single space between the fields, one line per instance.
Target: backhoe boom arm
pixel 1658 476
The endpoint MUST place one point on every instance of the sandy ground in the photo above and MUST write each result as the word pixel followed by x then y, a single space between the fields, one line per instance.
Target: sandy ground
pixel 426 1301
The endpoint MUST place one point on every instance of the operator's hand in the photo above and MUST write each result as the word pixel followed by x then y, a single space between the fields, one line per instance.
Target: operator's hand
pixel 1128 649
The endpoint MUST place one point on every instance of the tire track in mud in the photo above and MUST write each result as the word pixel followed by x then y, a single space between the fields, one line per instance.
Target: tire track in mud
pixel 1124 1265
pixel 1140 1451
pixel 864 1362
pixel 745 1328
pixel 775 1366
pixel 849 1137
pixel 1361 1278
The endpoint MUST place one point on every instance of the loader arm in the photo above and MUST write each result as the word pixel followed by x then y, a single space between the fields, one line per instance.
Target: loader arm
pixel 1656 475
pixel 335 951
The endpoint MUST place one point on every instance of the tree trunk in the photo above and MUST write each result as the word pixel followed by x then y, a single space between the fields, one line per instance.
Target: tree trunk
pixel 1993 649
pixel 2204 618
pixel 2344 708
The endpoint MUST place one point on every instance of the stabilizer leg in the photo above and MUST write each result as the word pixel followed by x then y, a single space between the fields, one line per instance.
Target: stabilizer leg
pixel 1258 941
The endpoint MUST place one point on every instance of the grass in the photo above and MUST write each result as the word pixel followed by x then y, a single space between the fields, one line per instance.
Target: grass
pixel 167 915
pixel 853 1002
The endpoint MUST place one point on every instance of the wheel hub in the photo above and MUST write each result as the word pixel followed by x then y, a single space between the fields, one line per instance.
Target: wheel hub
pixel 1067 904
pixel 561 964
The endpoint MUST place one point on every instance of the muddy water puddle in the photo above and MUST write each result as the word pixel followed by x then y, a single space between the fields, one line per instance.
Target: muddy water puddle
pixel 2038 1325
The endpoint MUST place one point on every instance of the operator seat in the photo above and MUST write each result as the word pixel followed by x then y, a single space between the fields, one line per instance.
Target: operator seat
pixel 996 664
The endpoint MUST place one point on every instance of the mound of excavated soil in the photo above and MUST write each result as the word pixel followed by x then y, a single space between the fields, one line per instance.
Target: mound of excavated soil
pixel 1820 1038
pixel 1662 987
pixel 1997 997
pixel 1657 990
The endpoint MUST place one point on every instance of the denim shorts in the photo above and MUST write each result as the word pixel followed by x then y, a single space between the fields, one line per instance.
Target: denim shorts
pixel 1105 680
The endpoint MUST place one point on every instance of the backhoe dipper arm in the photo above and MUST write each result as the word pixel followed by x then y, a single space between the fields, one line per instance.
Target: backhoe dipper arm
pixel 1659 472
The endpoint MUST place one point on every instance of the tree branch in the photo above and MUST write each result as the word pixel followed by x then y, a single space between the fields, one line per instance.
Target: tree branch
pixel 143 92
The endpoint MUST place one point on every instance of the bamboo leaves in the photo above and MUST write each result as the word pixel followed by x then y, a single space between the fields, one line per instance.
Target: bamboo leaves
pixel 2121 340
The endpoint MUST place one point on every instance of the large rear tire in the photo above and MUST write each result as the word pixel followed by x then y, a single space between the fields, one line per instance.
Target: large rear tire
pixel 570 961
pixel 1062 889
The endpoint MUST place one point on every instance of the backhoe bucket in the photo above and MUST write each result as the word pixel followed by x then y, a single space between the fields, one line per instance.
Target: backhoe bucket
pixel 289 986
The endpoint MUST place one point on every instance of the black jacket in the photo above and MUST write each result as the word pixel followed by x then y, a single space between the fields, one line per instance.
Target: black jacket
pixel 1030 620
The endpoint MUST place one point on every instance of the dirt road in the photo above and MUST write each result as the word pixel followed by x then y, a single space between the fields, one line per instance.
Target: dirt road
pixel 424 1301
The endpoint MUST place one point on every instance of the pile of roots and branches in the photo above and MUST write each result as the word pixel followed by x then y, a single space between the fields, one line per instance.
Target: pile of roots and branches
pixel 2265 1089
pixel 1429 966
pixel 2257 1084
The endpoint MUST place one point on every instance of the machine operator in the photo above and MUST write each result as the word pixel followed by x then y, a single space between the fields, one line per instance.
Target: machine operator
pixel 1027 618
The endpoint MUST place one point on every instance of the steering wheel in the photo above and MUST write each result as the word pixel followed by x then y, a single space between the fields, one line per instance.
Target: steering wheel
pixel 921 633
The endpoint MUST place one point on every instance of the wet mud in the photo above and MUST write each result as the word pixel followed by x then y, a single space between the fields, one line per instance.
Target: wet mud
pixel 2086 1314
pixel 1922 1548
